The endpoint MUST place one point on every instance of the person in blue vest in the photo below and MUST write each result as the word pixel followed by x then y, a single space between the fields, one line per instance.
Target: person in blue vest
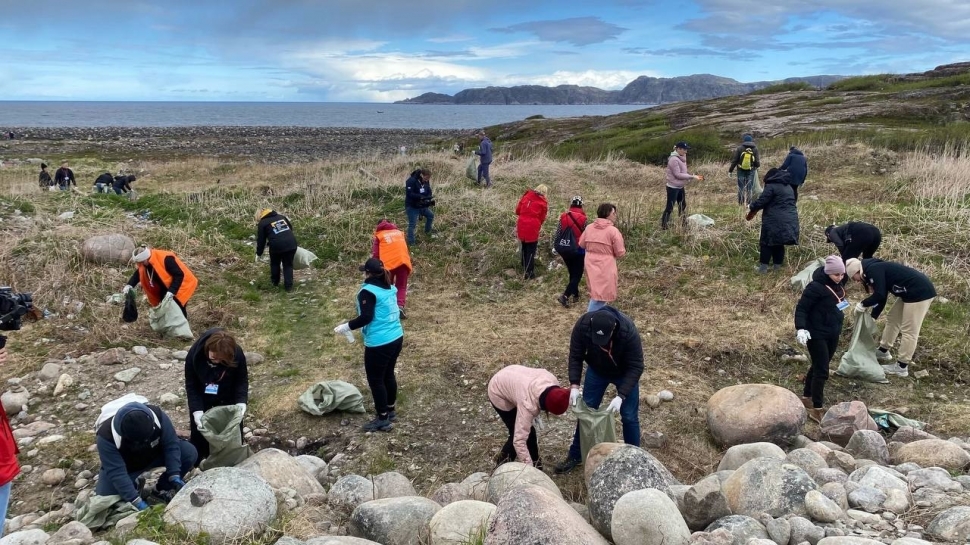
pixel 379 319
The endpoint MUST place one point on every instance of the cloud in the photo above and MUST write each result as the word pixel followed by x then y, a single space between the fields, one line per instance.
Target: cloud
pixel 679 52
pixel 604 79
pixel 578 31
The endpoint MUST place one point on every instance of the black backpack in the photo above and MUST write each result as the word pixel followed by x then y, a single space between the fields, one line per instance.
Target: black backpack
pixel 566 242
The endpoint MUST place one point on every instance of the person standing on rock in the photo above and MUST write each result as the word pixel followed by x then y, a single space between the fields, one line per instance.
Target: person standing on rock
pixel 9 467
pixel 276 230
pixel 855 239
pixel 677 178
pixel 818 323
pixel 573 219
pixel 608 341
pixel 531 213
pixel 215 375
pixel 518 394
pixel 484 154
pixel 915 293
pixel 603 245
pixel 379 319
pixel 135 440
pixel 779 222
pixel 44 178
pixel 797 165
pixel 746 159
pixel 64 177
pixel 162 276
pixel 418 201
pixel 391 248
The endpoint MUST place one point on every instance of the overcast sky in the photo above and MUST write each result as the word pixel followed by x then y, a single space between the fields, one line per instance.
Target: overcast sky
pixel 381 51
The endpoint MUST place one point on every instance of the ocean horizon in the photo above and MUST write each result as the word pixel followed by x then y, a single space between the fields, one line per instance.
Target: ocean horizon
pixel 362 115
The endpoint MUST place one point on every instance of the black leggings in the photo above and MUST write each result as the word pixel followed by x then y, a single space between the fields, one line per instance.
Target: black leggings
pixel 284 260
pixel 508 450
pixel 772 253
pixel 379 362
pixel 574 264
pixel 529 258
pixel 821 351
pixel 674 196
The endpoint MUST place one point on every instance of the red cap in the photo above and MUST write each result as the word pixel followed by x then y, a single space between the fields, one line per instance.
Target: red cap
pixel 557 400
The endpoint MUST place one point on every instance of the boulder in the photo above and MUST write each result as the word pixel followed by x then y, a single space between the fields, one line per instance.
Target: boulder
pixel 749 413
pixel 26 537
pixel 458 522
pixel 281 470
pixel 740 527
pixel 53 477
pixel 720 536
pixel 13 400
pixel 803 530
pixel 316 466
pixel 950 525
pixel 704 503
pixel 809 460
pixel 909 434
pixel 72 533
pixel 350 491
pixel 108 249
pixel 449 493
pixel 392 485
pixel 477 485
pixel 821 508
pixel 127 375
pixel 880 478
pixel 933 453
pixel 779 530
pixel 867 498
pixel 844 419
pixel 933 477
pixel 648 517
pixel 393 521
pixel 737 455
pixel 243 504
pixel 841 460
pixel 534 515
pixel 515 474
pixel 597 454
pixel 848 540
pixel 910 541
pixel 768 485
pixel 897 501
pixel 830 475
pixel 339 540
pixel 625 470
pixel 49 371
pixel 869 445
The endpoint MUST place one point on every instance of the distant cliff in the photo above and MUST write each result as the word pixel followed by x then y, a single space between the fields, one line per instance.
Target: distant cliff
pixel 643 90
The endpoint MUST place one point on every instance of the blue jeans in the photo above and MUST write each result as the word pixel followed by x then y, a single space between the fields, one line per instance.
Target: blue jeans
pixel 745 181
pixel 413 215
pixel 594 387
pixel 595 305
pixel 188 456
pixel 483 173
pixel 4 501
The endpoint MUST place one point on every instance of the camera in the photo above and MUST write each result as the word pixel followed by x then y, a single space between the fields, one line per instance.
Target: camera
pixel 13 307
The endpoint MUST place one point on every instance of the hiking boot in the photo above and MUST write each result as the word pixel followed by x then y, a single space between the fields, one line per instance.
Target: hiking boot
pixel 392 415
pixel 404 315
pixel 895 369
pixel 884 355
pixel 379 424
pixel 815 415
pixel 566 466
pixel 563 300
pixel 762 268
pixel 807 402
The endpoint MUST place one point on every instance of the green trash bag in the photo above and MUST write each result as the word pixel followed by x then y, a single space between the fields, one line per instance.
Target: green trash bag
pixel 801 280
pixel 756 188
pixel 891 421
pixel 331 395
pixel 103 512
pixel 168 320
pixel 859 361
pixel 471 169
pixel 595 427
pixel 303 259
pixel 220 427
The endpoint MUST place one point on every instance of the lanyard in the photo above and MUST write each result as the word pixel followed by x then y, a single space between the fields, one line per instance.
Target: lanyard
pixel 837 298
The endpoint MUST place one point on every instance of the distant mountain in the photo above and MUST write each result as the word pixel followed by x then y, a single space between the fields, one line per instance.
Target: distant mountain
pixel 643 90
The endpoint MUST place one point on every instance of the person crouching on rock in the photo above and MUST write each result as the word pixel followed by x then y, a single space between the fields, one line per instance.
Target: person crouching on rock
pixel 215 375
pixel 137 439
pixel 518 394
pixel 277 229
pixel 379 318
pixel 390 247
pixel 162 276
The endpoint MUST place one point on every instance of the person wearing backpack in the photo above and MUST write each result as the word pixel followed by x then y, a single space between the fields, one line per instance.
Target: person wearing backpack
pixel 519 394
pixel 572 223
pixel 276 231
pixel 390 247
pixel 779 222
pixel 855 239
pixel 797 165
pixel 746 159
pixel 531 214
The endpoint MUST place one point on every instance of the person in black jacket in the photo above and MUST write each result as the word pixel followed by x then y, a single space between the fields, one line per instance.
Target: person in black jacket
pixel 418 200
pixel 122 184
pixel 44 178
pixel 915 293
pixel 64 177
pixel 797 165
pixel 103 182
pixel 215 375
pixel 818 324
pixel 779 222
pixel 854 239
pixel 278 231
pixel 139 438
pixel 608 341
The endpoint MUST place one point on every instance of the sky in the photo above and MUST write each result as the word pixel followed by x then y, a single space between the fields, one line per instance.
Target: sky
pixel 382 51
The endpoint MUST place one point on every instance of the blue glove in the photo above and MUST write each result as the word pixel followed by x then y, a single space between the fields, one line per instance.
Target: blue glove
pixel 177 482
pixel 140 504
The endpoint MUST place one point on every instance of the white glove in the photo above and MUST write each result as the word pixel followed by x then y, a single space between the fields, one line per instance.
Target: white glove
pixel 344 329
pixel 243 405
pixel 574 395
pixel 126 289
pixel 614 406
pixel 197 416
pixel 169 295
pixel 257 259
pixel 803 336
pixel 859 307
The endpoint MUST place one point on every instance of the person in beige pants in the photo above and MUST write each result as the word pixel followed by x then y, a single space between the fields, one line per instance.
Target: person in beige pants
pixel 915 293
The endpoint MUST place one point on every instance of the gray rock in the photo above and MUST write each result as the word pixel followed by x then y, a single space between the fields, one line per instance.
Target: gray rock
pixel 909 434
pixel 200 497
pixel 821 508
pixel 932 453
pixel 779 530
pixel 803 530
pixel 863 517
pixel 844 419
pixel 141 542
pixel 225 517
pixel 281 470
pixel 534 515
pixel 182 354
pixel 879 477
pixel 339 540
pixel 450 493
pixel 624 470
pixel 169 399
pixel 665 395
pixel 648 517
pixel 841 460
pixel 748 413
pixel 50 371
pixel 964 480
pixel 910 541
pixel 254 358
pixel 392 485
pixel 836 492
pixel 720 536
pixel 64 382
pixel 897 501
pixel 126 525
pixel 767 485
pixel 907 468
pixel 72 533
pixel 870 445
pixel 704 503
pixel 740 527
pixel 108 249
pixel 950 525
pixel 127 375
pixel 477 485
pixel 867 498
pixel 14 400
pixel 849 540
pixel 350 491
pixel 139 350
pixel 933 477
pixel 394 521
pixel 26 537
pixel 53 477
pixel 515 474
pixel 35 428
pixel 112 356
pixel 455 522
pixel 808 460
pixel 830 475
pixel 737 455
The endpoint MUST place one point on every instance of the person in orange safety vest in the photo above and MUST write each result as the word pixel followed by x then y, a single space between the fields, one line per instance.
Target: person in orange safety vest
pixel 391 247
pixel 162 275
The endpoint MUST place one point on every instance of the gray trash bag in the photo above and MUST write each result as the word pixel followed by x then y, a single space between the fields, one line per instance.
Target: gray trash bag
pixel 890 421
pixel 220 427
pixel 859 361
pixel 471 169
pixel 595 427
pixel 700 220
pixel 756 188
pixel 331 395
pixel 303 259
pixel 801 280
pixel 168 320
pixel 103 512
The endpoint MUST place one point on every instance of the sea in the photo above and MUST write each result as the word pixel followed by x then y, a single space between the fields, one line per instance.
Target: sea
pixel 27 114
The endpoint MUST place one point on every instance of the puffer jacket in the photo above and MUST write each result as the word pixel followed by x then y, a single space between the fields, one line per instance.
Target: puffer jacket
pixel 779 221
pixel 531 211
pixel 817 310
pixel 519 387
pixel 623 361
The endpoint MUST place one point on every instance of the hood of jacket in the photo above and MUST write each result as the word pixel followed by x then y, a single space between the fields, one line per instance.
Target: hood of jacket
pixel 385 225
pixel 796 151
pixel 749 145
pixel 601 223
pixel 776 176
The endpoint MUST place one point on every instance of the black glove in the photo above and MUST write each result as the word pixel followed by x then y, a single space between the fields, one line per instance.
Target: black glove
pixel 430 202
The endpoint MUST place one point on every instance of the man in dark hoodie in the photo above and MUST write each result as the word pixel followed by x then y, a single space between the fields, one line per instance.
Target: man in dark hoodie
pixel 797 165
pixel 103 182
pixel 44 178
pixel 136 439
pixel 746 159
pixel 277 229
pixel 608 341
pixel 854 239
pixel 122 183
pixel 418 200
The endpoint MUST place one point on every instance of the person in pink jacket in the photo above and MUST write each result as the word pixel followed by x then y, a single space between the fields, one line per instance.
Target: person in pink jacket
pixel 677 177
pixel 603 244
pixel 518 394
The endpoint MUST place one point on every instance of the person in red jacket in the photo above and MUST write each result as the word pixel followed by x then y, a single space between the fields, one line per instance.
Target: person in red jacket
pixel 531 210
pixel 575 219
pixel 9 468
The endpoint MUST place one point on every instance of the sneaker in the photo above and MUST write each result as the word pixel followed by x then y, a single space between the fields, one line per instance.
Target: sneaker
pixel 568 465
pixel 884 355
pixel 762 269
pixel 379 424
pixel 392 415
pixel 895 369
pixel 563 300
pixel 404 315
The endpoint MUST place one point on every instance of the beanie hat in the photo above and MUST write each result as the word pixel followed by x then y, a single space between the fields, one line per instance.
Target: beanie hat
pixel 43 165
pixel 577 201
pixel 834 265
pixel 557 399
pixel 141 256
pixel 852 267
pixel 137 426
pixel 372 265
pixel 747 138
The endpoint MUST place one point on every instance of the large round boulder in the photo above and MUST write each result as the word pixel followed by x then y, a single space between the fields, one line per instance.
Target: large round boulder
pixel 749 413
pixel 534 515
pixel 933 453
pixel 648 517
pixel 951 525
pixel 625 470
pixel 514 474
pixel 868 445
pixel 281 470
pixel 392 485
pixel 704 502
pixel 393 521
pixel 595 456
pixel 844 419
pixel 350 491
pixel 458 522
pixel 740 527
pixel 108 249
pixel 737 455
pixel 241 504
pixel 767 485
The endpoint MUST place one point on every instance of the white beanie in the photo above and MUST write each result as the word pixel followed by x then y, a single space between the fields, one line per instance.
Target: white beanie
pixel 142 256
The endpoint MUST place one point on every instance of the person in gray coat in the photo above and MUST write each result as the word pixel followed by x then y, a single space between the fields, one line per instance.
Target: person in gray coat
pixel 779 222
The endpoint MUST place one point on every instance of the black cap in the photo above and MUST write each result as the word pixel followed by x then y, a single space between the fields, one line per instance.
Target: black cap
pixel 372 265
pixel 682 145
pixel 602 323
pixel 43 165
pixel 137 426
